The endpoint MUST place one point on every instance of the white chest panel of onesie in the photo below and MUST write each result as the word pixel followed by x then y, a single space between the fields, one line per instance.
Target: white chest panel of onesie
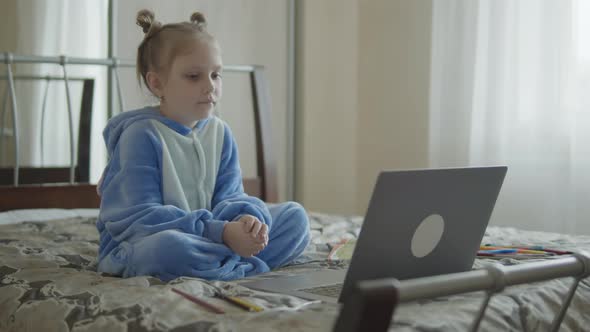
pixel 190 164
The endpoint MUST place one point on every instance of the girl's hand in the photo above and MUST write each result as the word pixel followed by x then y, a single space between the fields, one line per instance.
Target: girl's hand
pixel 240 241
pixel 257 229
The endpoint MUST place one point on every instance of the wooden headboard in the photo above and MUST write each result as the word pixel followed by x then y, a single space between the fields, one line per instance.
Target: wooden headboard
pixel 46 188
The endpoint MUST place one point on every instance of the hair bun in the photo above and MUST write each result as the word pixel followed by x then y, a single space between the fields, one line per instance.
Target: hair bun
pixel 199 19
pixel 145 19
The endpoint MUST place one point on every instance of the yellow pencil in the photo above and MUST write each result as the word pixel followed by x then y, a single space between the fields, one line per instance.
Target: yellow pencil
pixel 241 303
pixel 528 251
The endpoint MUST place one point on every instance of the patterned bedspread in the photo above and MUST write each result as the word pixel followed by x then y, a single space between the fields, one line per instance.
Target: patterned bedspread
pixel 48 282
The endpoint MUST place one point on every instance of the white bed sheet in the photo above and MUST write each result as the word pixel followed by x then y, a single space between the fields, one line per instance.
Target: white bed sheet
pixel 49 282
pixel 16 216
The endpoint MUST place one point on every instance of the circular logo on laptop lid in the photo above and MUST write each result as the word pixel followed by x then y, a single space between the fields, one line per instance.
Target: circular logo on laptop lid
pixel 427 235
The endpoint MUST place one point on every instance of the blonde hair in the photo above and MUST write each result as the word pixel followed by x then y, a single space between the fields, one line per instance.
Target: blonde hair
pixel 162 43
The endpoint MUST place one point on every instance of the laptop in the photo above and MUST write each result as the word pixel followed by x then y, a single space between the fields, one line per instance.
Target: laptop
pixel 419 223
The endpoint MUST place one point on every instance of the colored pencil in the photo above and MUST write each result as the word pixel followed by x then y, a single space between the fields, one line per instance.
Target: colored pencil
pixel 246 305
pixel 200 302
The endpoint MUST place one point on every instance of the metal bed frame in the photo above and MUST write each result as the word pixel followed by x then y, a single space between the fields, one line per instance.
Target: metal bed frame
pixel 31 175
pixel 263 185
pixel 373 301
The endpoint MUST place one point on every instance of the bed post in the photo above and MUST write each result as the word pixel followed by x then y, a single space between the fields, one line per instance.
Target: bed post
pixel 265 161
pixel 84 132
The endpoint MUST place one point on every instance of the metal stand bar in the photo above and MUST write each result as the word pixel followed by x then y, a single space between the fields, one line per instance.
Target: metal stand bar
pixel 477 280
pixel 8 59
pixel 498 275
pixel 2 120
pixel 493 279
pixel 481 311
pixel 43 108
pixel 63 62
pixel 115 69
pixel 566 303
pixel 585 259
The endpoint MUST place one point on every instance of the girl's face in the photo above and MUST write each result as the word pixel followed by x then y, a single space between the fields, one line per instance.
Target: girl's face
pixel 192 86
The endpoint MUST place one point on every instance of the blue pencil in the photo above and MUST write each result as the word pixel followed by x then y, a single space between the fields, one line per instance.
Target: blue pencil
pixel 499 251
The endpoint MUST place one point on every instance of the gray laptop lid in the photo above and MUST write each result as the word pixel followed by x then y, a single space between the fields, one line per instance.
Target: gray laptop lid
pixel 424 222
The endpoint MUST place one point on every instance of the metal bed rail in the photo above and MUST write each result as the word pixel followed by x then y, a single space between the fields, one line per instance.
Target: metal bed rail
pixel 47 79
pixel 9 59
pixel 260 95
pixel 372 303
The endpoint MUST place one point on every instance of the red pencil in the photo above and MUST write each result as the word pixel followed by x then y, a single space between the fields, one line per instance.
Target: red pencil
pixel 198 301
pixel 558 252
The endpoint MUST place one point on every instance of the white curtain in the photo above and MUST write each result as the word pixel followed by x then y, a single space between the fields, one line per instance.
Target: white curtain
pixel 59 27
pixel 511 85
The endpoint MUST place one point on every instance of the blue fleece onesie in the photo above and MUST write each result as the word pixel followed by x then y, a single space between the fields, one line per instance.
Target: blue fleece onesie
pixel 166 194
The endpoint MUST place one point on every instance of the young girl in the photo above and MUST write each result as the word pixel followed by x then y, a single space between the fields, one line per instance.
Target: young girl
pixel 173 202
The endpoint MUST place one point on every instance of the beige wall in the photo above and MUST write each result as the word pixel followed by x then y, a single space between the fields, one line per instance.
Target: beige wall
pixel 394 65
pixel 362 100
pixel 326 105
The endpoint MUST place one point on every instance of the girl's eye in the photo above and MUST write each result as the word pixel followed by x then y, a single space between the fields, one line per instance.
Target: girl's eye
pixel 192 76
pixel 216 76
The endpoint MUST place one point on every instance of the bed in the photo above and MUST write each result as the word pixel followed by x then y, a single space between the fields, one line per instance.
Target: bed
pixel 48 277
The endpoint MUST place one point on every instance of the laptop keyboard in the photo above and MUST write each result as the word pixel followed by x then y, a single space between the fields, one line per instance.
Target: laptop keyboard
pixel 329 290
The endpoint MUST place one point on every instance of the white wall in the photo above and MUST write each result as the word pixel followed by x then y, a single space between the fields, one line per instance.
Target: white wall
pixel 362 97
pixel 249 32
